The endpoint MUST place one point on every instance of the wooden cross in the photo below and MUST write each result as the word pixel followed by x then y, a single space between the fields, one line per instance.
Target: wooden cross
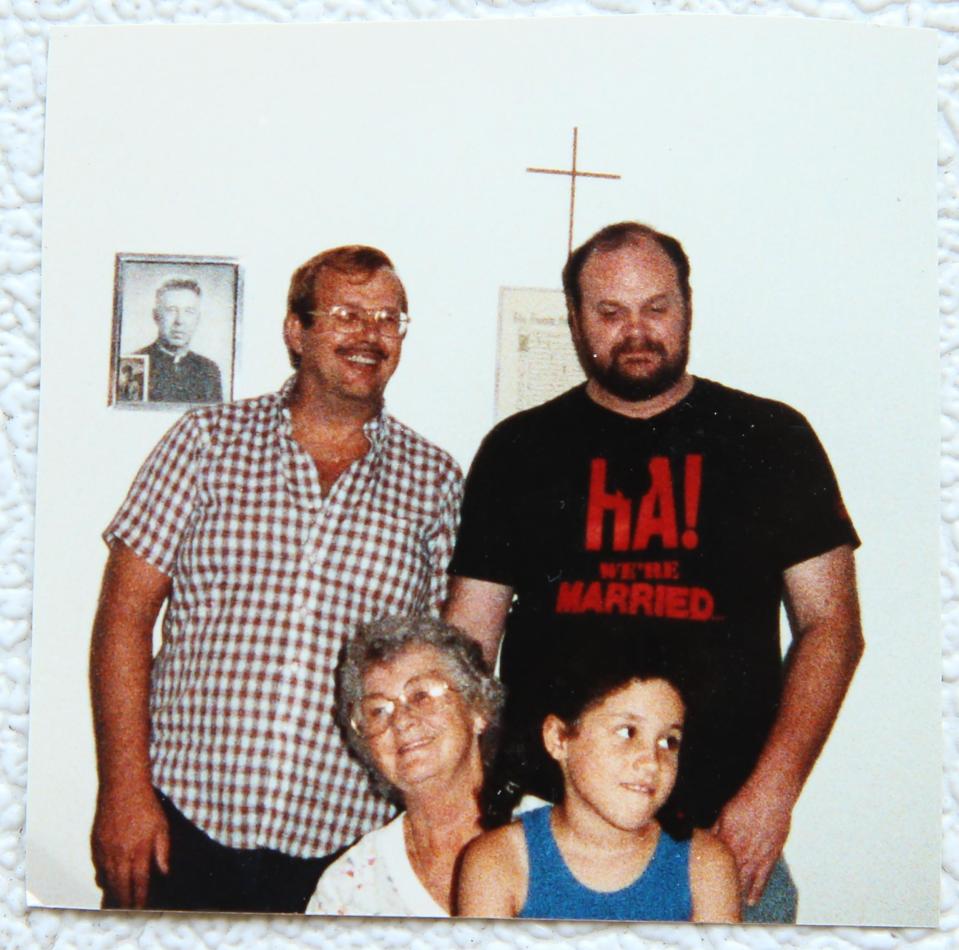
pixel 573 173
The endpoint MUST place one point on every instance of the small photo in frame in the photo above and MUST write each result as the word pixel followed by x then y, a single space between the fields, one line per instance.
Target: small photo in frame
pixel 175 326
pixel 131 384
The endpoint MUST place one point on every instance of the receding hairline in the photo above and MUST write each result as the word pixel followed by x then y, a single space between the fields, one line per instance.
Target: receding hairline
pixel 614 237
pixel 178 283
pixel 630 241
pixel 637 242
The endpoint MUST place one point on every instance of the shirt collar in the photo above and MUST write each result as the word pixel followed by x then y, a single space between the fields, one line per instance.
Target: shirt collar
pixel 377 429
pixel 174 355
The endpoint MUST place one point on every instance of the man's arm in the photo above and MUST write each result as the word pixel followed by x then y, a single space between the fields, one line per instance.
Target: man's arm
pixel 130 830
pixel 479 608
pixel 823 608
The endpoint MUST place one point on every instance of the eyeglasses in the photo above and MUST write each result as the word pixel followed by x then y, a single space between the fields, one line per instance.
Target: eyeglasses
pixel 422 696
pixel 343 319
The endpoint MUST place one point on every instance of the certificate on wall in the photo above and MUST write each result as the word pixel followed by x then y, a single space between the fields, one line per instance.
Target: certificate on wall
pixel 536 359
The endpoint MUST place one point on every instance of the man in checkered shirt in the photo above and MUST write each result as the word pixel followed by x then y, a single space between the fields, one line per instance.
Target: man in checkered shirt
pixel 269 528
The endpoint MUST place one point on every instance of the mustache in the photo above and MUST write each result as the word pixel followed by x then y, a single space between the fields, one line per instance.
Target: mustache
pixel 364 349
pixel 633 348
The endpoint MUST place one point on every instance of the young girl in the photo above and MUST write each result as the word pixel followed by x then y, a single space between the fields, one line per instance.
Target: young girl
pixel 601 853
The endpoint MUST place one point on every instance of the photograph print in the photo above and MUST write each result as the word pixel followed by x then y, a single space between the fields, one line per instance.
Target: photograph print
pixel 174 330
pixel 415 260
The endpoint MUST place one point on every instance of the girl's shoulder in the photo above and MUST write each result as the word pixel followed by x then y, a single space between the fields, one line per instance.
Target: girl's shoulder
pixel 708 851
pixel 507 844
pixel 494 873
pixel 713 879
pixel 500 848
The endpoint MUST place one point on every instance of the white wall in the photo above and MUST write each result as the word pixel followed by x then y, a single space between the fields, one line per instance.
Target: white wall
pixel 795 160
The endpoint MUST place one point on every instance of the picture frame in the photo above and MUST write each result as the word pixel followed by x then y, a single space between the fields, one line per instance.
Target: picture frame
pixel 175 329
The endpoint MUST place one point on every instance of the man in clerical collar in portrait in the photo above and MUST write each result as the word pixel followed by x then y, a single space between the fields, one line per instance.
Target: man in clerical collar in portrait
pixel 176 373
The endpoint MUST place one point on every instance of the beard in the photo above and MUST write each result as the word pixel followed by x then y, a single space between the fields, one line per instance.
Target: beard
pixel 628 386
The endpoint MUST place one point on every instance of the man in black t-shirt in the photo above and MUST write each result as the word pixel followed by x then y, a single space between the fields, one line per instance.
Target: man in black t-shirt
pixel 652 504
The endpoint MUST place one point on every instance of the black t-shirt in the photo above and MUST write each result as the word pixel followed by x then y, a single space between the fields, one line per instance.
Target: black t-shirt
pixel 676 528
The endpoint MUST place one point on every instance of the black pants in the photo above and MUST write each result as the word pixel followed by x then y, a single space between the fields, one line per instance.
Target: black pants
pixel 205 875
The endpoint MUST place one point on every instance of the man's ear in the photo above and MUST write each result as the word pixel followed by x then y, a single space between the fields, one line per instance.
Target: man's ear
pixel 571 319
pixel 555 736
pixel 479 724
pixel 293 333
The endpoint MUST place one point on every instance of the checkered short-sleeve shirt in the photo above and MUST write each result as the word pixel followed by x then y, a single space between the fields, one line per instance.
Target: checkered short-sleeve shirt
pixel 269 577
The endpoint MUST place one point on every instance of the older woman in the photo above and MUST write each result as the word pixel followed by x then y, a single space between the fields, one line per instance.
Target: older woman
pixel 420 708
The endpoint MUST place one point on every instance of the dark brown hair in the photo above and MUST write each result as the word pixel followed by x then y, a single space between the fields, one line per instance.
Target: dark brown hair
pixel 612 238
pixel 356 260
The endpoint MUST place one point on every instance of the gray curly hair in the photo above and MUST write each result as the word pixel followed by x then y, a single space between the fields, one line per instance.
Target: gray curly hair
pixel 383 640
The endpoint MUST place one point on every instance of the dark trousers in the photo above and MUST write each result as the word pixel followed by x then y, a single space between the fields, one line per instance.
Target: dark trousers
pixel 206 875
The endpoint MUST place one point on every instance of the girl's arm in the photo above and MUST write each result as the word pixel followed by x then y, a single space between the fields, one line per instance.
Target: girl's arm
pixel 713 880
pixel 493 874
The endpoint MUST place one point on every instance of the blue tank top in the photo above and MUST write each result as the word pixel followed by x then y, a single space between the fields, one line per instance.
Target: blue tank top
pixel 661 892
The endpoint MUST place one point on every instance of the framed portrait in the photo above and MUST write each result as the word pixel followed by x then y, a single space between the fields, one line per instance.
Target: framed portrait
pixel 175 325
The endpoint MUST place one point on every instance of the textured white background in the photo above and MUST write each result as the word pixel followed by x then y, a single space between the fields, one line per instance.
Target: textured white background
pixel 24 49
